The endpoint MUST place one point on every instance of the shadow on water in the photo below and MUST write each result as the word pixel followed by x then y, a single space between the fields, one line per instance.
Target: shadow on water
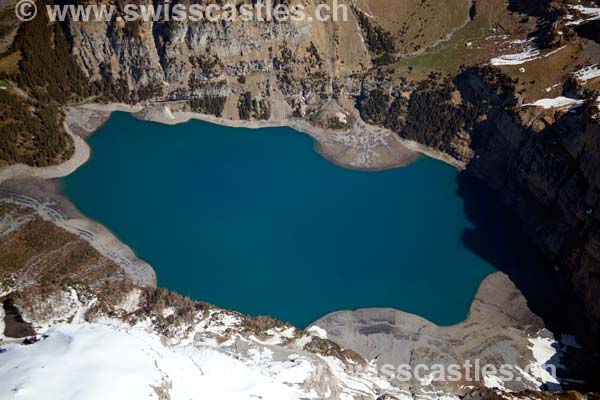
pixel 497 237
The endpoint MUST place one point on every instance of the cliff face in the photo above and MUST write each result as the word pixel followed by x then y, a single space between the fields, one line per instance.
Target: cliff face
pixel 546 165
pixel 286 67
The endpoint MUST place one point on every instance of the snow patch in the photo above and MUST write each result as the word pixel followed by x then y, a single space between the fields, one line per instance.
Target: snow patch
pixel 543 349
pixel 551 88
pixel 168 112
pixel 557 102
pixel 168 311
pixel 341 117
pixel 588 73
pixel 1 323
pixel 131 302
pixel 317 331
pixel 529 54
pixel 597 116
pixel 4 292
pixel 554 51
pixel 493 382
pixel 593 12
pixel 276 336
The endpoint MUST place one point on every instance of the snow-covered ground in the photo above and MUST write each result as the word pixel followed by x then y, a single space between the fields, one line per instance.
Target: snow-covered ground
pixel 561 102
pixel 210 353
pixel 93 361
pixel 109 359
pixel 211 359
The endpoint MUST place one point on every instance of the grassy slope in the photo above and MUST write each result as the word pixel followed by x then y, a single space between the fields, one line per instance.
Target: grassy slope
pixel 492 33
pixel 10 63
pixel 415 24
pixel 483 34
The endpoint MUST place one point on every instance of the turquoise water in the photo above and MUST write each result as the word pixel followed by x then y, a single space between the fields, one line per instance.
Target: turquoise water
pixel 256 221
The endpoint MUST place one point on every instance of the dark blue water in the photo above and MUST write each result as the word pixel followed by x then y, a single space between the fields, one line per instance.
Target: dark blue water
pixel 256 221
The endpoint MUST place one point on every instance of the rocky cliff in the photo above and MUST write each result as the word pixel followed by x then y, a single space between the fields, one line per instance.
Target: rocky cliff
pixel 278 68
pixel 546 165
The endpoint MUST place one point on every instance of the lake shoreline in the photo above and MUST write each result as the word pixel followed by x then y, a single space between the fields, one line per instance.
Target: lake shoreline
pixel 124 142
pixel 30 186
pixel 81 153
pixel 364 147
pixel 45 192
pixel 43 196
